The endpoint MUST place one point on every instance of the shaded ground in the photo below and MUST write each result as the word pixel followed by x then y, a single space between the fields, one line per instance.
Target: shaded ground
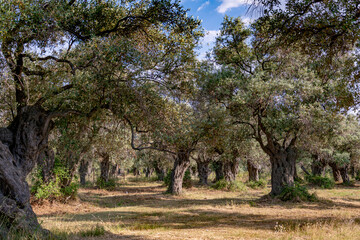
pixel 142 211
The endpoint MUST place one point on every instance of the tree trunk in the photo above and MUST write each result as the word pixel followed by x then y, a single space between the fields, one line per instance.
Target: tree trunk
pixel 230 169
pixel 253 170
pixel 114 170
pixel 344 174
pixel 282 169
pixel 20 147
pixel 148 172
pixel 83 171
pixel 159 170
pixel 203 170
pixel 336 171
pixel 182 162
pixel 219 170
pixel 318 166
pixel 105 168
pixel 46 161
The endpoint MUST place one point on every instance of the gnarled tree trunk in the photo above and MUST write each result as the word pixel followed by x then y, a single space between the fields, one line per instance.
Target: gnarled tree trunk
pixel 318 166
pixel 203 170
pixel 335 171
pixel 230 169
pixel 105 167
pixel 20 147
pixel 219 170
pixel 83 171
pixel 344 174
pixel 282 169
pixel 253 170
pixel 181 164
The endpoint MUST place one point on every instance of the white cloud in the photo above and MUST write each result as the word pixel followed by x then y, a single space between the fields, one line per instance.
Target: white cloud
pixel 247 21
pixel 229 4
pixel 210 36
pixel 203 5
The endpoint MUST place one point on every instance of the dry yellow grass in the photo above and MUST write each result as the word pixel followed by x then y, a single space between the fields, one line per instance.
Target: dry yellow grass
pixel 142 211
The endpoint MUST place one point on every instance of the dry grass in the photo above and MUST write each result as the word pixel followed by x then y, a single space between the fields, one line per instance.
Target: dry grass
pixel 141 210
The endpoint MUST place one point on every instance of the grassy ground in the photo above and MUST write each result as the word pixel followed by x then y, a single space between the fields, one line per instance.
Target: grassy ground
pixel 141 210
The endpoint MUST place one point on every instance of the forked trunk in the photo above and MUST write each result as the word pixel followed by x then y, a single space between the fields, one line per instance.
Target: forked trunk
pixel 20 147
pixel 253 170
pixel 335 171
pixel 203 170
pixel 231 169
pixel 344 174
pixel 282 169
pixel 182 162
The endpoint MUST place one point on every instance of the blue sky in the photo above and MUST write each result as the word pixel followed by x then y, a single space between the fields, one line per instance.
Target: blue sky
pixel 212 12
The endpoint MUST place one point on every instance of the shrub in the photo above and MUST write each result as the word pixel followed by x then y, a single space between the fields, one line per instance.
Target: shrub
pixel 257 184
pixel 225 185
pixel 296 193
pixel 107 185
pixel 320 181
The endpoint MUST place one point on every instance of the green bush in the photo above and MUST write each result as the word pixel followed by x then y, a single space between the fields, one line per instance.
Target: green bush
pixel 296 193
pixel 320 181
pixel 257 184
pixel 54 189
pixel 225 185
pixel 109 185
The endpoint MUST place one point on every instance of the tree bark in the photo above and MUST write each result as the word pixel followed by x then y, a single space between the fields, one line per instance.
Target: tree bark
pixel 318 166
pixel 159 170
pixel 83 171
pixel 230 169
pixel 148 172
pixel 282 169
pixel 105 167
pixel 344 174
pixel 46 161
pixel 253 170
pixel 181 164
pixel 203 170
pixel 336 171
pixel 20 147
pixel 219 170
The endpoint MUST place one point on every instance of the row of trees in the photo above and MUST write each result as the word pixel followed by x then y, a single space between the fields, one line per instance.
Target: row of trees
pixel 75 73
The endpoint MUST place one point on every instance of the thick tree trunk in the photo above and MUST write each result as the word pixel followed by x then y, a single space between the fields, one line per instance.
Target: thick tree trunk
pixel 203 170
pixel 318 166
pixel 344 174
pixel 20 147
pixel 181 164
pixel 219 170
pixel 282 169
pixel 105 168
pixel 83 171
pixel 335 171
pixel 230 170
pixel 253 170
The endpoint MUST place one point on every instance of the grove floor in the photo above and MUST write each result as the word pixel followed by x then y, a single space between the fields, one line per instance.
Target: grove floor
pixel 141 210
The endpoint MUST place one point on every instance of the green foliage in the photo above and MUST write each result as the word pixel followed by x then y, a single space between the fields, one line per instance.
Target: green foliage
pixel 167 178
pixel 108 185
pixel 296 193
pixel 54 189
pixel 257 184
pixel 323 182
pixel 229 186
pixel 93 232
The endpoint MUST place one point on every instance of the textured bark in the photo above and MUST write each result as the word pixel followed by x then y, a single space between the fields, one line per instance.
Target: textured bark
pixel 83 171
pixel 230 169
pixel 203 170
pixel 114 170
pixel 282 169
pixel 160 172
pixel 181 164
pixel 344 174
pixel 336 171
pixel 20 147
pixel 253 170
pixel 105 168
pixel 318 166
pixel 219 170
